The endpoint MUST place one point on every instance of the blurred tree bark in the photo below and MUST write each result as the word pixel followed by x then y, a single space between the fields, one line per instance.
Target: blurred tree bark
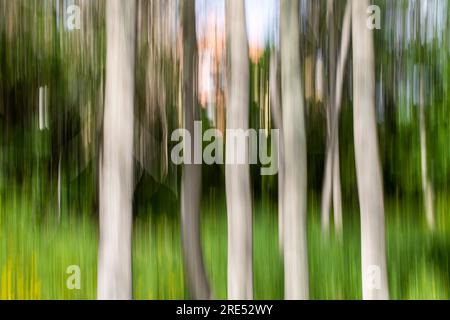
pixel 332 176
pixel 116 161
pixel 427 187
pixel 340 68
pixel 368 167
pixel 192 174
pixel 278 121
pixel 237 176
pixel 296 283
pixel 327 186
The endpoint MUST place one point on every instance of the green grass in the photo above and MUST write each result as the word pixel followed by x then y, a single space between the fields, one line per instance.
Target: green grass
pixel 35 253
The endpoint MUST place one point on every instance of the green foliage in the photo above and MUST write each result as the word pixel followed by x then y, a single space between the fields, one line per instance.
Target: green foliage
pixel 41 251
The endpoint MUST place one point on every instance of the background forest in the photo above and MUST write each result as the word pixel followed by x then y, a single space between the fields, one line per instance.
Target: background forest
pixel 91 91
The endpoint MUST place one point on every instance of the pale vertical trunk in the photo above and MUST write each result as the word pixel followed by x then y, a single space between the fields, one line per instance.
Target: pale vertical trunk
pixel 278 121
pixel 332 176
pixel 116 167
pixel 192 174
pixel 337 195
pixel 327 180
pixel 428 193
pixel 327 186
pixel 239 206
pixel 368 168
pixel 342 59
pixel 296 283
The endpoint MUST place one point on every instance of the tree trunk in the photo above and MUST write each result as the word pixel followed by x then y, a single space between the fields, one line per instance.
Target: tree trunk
pixel 116 166
pixel 237 176
pixel 278 121
pixel 296 283
pixel 332 176
pixel 427 188
pixel 337 195
pixel 342 59
pixel 327 186
pixel 192 174
pixel 327 183
pixel 368 168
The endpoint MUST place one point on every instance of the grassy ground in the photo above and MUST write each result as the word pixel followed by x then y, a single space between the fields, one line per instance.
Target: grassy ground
pixel 35 253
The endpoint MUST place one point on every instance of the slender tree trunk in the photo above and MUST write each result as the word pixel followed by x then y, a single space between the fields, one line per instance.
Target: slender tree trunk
pixel 116 167
pixel 327 187
pixel 337 195
pixel 192 174
pixel 239 206
pixel 327 184
pixel 428 193
pixel 332 176
pixel 278 121
pixel 296 283
pixel 342 59
pixel 368 168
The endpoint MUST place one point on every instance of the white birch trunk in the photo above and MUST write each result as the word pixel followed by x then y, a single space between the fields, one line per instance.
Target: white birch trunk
pixel 116 167
pixel 337 194
pixel 327 186
pixel 368 168
pixel 237 176
pixel 428 193
pixel 342 59
pixel 278 121
pixel 296 283
pixel 332 176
